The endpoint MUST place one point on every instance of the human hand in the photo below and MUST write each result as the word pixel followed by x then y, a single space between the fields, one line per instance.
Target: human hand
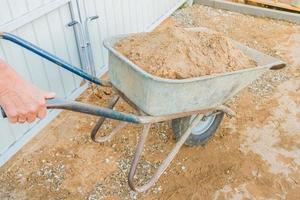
pixel 21 101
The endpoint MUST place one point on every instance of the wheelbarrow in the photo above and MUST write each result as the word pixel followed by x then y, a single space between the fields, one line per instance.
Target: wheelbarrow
pixel 195 106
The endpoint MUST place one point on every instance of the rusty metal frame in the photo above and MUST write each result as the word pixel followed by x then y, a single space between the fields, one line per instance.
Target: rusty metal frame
pixel 148 121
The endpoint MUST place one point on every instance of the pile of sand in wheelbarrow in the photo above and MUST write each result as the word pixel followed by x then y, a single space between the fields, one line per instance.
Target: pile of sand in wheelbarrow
pixel 176 53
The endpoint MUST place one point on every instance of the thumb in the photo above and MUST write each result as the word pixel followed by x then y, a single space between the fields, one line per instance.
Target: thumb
pixel 49 95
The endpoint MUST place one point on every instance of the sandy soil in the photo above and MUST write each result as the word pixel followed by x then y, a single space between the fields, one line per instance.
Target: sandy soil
pixel 255 155
pixel 176 53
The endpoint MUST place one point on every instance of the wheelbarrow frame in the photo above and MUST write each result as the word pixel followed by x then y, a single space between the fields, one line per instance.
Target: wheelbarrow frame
pixel 109 112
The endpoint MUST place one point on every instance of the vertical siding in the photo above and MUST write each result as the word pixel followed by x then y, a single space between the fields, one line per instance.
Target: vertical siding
pixel 33 4
pixel 5 15
pixel 11 9
pixel 51 33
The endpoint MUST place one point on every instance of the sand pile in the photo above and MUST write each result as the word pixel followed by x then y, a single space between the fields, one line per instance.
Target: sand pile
pixel 175 53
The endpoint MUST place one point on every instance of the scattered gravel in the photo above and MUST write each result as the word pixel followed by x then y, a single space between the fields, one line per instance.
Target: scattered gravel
pixel 265 85
pixel 52 174
pixel 116 183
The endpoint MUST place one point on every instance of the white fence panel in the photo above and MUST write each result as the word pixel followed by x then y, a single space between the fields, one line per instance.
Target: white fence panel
pixel 11 9
pixel 50 32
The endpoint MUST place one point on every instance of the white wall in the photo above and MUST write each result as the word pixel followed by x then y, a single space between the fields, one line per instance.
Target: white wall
pixel 44 24
pixel 48 30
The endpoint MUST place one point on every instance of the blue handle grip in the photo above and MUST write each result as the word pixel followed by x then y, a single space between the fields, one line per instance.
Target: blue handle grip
pixel 52 58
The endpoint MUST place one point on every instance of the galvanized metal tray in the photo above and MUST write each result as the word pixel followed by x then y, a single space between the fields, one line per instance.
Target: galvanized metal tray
pixel 159 96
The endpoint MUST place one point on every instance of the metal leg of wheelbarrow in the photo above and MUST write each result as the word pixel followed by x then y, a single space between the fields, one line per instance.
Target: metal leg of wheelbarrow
pixel 113 101
pixel 164 164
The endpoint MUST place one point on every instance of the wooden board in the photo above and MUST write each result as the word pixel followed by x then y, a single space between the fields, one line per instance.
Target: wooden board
pixel 274 4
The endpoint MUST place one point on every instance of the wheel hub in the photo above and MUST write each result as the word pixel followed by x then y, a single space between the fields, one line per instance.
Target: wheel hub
pixel 203 125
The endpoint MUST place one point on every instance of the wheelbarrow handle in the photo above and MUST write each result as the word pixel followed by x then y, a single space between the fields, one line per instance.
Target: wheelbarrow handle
pixel 75 106
pixel 57 103
pixel 52 58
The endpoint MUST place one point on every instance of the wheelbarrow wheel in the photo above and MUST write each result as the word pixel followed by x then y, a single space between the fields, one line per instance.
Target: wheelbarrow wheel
pixel 201 133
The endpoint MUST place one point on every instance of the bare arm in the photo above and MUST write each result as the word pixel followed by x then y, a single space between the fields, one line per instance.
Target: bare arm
pixel 21 101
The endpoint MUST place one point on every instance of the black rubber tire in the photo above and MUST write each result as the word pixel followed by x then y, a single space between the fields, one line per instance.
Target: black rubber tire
pixel 180 125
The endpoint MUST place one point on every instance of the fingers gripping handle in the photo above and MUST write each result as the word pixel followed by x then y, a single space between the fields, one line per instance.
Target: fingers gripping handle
pixel 49 103
pixel 88 109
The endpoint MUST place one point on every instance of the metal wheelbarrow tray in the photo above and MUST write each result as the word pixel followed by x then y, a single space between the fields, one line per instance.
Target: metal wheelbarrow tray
pixel 194 105
pixel 159 96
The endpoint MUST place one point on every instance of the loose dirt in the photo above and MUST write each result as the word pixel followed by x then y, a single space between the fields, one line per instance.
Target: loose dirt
pixel 254 155
pixel 176 53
